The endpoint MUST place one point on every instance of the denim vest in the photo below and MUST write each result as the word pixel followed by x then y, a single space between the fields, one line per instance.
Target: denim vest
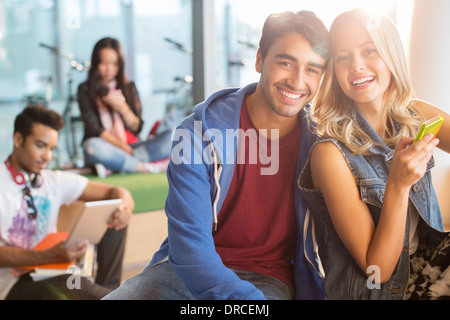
pixel 343 278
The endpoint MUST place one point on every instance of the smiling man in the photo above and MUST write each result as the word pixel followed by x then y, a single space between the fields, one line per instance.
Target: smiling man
pixel 30 199
pixel 232 231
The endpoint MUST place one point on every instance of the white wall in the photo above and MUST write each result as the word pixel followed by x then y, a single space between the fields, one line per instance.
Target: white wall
pixel 429 60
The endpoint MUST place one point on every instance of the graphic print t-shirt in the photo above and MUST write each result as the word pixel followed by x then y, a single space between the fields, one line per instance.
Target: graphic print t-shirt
pixel 16 228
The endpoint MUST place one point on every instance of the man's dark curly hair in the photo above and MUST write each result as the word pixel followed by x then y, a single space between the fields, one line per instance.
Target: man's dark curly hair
pixel 37 114
pixel 303 22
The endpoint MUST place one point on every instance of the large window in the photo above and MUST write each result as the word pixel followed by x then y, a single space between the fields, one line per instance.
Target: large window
pixel 46 46
pixel 154 36
pixel 239 25
pixel 24 68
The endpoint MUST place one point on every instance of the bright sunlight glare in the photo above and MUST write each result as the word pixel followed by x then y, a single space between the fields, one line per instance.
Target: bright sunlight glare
pixel 254 12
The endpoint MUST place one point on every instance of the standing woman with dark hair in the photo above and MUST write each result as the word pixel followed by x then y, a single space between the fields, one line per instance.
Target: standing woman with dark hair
pixel 111 111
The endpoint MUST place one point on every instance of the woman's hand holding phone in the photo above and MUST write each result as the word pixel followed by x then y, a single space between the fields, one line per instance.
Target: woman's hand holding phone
pixel 410 160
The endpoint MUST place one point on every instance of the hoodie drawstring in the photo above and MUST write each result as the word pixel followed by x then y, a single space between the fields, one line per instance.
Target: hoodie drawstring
pixel 216 181
pixel 321 271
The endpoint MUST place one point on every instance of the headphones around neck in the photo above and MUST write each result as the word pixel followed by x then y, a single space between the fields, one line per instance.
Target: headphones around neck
pixel 34 180
pixel 22 177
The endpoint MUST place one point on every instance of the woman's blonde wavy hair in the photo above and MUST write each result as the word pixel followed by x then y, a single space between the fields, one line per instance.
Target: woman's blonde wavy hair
pixel 331 108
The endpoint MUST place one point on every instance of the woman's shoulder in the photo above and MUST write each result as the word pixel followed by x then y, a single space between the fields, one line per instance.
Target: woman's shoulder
pixel 327 151
pixel 421 105
pixel 83 86
pixel 330 152
pixel 130 88
pixel 324 146
pixel 328 161
pixel 328 142
pixel 130 84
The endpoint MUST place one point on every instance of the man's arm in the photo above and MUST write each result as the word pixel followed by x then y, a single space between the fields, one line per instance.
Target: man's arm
pixel 17 257
pixel 95 191
pixel 192 251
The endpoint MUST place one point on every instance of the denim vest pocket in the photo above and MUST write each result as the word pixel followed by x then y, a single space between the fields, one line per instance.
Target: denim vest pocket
pixel 372 191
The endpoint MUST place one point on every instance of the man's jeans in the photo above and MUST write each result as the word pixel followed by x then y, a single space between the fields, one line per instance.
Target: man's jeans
pixel 160 282
pixel 110 253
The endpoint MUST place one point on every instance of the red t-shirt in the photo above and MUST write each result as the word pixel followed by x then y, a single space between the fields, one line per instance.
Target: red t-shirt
pixel 257 226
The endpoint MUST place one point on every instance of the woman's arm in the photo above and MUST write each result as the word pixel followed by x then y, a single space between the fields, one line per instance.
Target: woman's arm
pixel 116 100
pixel 380 246
pixel 429 111
pixel 128 105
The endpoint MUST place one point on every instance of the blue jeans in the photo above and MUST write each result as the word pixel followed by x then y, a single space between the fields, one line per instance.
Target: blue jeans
pixel 160 282
pixel 98 150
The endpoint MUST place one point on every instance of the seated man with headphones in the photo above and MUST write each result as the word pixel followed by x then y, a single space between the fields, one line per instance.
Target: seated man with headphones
pixel 30 199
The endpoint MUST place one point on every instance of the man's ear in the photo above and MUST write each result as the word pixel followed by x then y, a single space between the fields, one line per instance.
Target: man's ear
pixel 18 140
pixel 259 62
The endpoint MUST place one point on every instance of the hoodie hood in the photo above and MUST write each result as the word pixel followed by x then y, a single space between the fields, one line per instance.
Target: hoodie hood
pixel 219 113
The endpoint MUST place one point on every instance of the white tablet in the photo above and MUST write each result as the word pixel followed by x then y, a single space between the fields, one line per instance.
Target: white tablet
pixel 91 224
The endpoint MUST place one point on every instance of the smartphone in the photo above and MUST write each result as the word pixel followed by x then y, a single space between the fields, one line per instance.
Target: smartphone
pixel 431 126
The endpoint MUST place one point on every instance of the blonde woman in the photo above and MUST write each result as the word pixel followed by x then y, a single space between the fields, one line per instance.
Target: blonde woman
pixel 376 216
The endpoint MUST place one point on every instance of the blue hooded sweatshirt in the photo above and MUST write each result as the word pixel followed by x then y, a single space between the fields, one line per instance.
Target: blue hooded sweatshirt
pixel 199 175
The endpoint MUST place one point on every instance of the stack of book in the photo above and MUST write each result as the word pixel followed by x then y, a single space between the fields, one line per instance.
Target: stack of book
pixel 84 266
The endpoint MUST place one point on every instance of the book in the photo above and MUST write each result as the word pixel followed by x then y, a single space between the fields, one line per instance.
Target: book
pixel 85 264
